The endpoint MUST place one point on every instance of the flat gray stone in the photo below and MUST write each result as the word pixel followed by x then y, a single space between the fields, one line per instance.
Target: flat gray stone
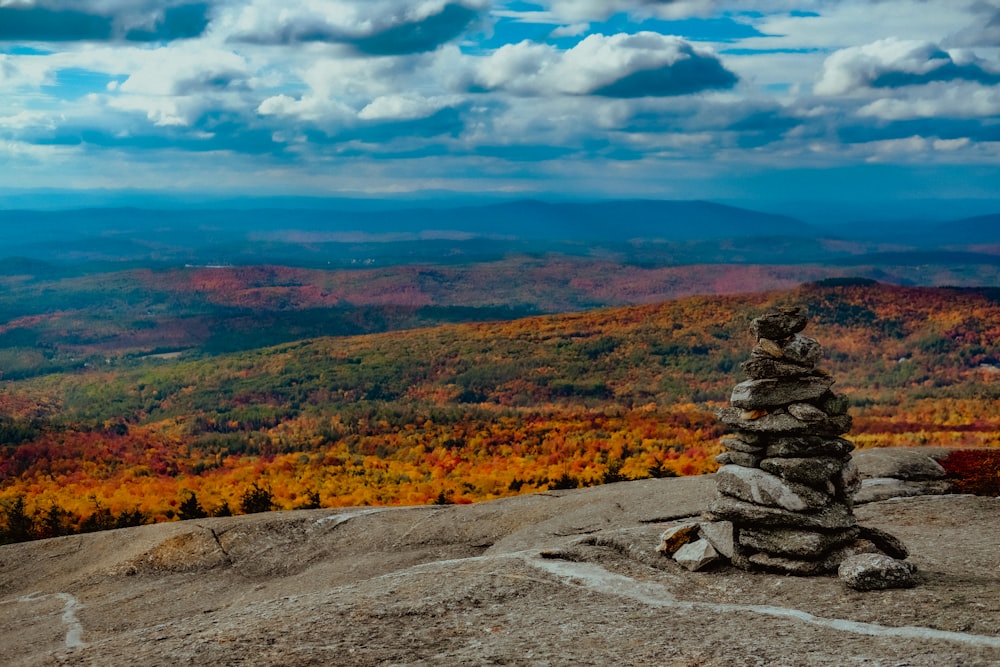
pixel 697 555
pixel 898 462
pixel 762 365
pixel 782 423
pixel 756 394
pixel 806 446
pixel 802 350
pixel 873 572
pixel 887 543
pixel 884 488
pixel 809 566
pixel 835 516
pixel 762 488
pixel 806 412
pixel 794 566
pixel 721 535
pixel 739 445
pixel 794 543
pixel 816 472
pixel 739 459
pixel 779 325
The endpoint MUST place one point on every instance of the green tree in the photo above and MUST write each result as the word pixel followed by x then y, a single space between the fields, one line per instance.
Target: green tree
pixel 190 508
pixel 257 499
pixel 20 527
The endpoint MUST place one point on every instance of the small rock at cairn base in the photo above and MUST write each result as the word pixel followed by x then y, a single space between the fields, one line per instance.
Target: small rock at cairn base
pixel 875 572
pixel 785 491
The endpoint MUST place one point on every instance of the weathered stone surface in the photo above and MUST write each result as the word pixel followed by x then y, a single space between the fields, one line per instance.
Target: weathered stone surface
pixel 802 350
pixel 763 488
pixel 816 472
pixel 884 488
pixel 833 404
pixel 739 459
pixel 795 543
pixel 872 572
pixel 785 565
pixel 675 537
pixel 900 463
pixel 721 535
pixel 740 445
pixel 779 325
pixel 794 447
pixel 783 423
pixel 769 347
pixel 887 543
pixel 741 557
pixel 849 480
pixel 762 365
pixel 755 394
pixel 835 516
pixel 809 566
pixel 697 555
pixel 806 412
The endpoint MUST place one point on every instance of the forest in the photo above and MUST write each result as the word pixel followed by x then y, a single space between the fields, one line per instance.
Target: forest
pixel 463 412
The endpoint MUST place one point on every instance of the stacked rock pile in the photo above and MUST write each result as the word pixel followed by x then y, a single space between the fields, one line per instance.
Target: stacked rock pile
pixel 787 480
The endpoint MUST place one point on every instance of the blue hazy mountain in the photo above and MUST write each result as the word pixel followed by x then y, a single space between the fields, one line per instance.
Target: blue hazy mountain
pixel 338 231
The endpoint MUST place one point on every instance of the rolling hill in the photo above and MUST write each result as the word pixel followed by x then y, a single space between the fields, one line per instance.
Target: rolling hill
pixel 476 411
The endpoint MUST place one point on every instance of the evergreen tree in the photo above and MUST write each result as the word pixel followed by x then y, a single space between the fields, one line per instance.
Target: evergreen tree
pixel 190 508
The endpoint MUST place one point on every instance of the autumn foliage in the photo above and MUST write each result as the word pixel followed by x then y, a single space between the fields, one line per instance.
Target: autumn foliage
pixel 460 413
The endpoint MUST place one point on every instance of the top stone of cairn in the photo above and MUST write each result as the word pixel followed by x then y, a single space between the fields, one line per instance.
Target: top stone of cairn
pixel 779 325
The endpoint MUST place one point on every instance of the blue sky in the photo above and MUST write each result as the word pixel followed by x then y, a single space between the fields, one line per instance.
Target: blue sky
pixel 679 99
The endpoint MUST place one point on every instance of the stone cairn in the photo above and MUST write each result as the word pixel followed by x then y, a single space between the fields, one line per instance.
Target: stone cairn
pixel 787 480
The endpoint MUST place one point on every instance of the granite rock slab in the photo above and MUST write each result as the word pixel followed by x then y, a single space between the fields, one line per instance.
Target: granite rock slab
pixel 816 472
pixel 833 517
pixel 762 488
pixel 770 392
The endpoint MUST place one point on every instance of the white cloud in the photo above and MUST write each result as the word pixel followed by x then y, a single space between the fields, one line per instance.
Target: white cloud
pixel 939 100
pixel 893 63
pixel 180 72
pixel 951 144
pixel 822 24
pixel 26 119
pixel 573 30
pixel 419 25
pixel 595 63
pixel 405 107
pixel 24 71
pixel 596 10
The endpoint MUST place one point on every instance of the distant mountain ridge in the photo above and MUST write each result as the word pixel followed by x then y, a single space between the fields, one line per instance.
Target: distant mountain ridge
pixel 978 229
pixel 637 230
pixel 522 219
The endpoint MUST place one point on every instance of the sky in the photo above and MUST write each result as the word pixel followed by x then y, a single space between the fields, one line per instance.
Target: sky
pixel 819 100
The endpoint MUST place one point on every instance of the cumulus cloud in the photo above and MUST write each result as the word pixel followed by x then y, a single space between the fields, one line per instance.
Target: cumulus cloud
pixel 21 71
pixel 176 72
pixel 101 20
pixel 938 100
pixel 639 65
pixel 375 27
pixel 405 107
pixel 984 32
pixel 595 10
pixel 895 63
